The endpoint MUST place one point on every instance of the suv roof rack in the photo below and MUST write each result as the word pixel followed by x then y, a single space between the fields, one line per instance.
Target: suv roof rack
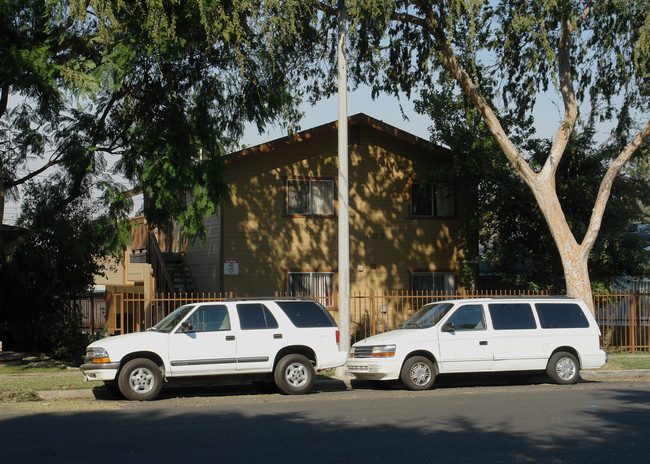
pixel 272 298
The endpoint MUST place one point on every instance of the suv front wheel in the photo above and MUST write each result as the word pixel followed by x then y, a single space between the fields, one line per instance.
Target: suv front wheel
pixel 294 374
pixel 140 380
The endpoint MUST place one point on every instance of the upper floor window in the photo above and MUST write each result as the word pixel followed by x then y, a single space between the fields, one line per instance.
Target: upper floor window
pixel 310 197
pixel 429 200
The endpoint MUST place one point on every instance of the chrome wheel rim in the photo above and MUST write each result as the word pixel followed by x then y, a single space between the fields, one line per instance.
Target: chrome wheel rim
pixel 420 374
pixel 565 368
pixel 142 380
pixel 296 375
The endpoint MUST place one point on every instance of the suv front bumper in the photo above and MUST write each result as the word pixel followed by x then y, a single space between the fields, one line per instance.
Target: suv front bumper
pixel 107 371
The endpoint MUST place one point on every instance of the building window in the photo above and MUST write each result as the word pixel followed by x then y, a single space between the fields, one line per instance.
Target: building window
pixel 428 200
pixel 316 285
pixel 433 282
pixel 310 197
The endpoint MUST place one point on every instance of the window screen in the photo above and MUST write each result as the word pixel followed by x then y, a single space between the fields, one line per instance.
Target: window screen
pixel 561 316
pixel 511 316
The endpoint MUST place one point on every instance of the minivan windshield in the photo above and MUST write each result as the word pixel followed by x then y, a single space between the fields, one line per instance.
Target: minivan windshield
pixel 171 321
pixel 427 316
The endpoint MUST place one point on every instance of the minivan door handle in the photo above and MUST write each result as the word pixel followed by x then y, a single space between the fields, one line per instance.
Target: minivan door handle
pixel 277 336
pixel 230 338
pixel 483 342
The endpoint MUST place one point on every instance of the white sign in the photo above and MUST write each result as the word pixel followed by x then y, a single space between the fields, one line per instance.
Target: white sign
pixel 231 266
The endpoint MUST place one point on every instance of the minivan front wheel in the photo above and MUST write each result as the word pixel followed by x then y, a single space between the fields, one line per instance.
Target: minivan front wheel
pixel 563 368
pixel 418 373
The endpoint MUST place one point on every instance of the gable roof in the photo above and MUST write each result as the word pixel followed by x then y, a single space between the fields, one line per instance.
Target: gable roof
pixel 354 120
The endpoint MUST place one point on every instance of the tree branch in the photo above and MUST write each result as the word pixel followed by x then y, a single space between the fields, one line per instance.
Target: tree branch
pixel 568 97
pixel 31 175
pixel 4 99
pixel 432 26
pixel 606 188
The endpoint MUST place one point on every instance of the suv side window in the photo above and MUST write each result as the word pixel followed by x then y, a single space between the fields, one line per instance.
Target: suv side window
pixel 210 318
pixel 468 317
pixel 255 316
pixel 512 316
pixel 561 316
pixel 306 314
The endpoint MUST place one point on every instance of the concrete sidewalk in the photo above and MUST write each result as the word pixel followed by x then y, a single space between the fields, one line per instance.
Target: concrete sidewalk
pixel 342 383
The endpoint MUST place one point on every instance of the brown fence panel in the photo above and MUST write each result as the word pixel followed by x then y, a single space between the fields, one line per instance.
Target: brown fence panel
pixel 624 320
pixel 623 317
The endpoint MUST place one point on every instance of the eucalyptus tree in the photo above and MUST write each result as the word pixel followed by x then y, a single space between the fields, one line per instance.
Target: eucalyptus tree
pixel 505 56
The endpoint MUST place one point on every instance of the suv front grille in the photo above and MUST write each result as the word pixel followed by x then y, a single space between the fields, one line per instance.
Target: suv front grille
pixel 363 351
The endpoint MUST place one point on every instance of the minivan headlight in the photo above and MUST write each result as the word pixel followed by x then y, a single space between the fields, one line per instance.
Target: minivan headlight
pixel 383 351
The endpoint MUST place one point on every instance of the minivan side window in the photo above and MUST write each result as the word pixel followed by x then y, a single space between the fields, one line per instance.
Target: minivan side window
pixel 468 317
pixel 561 316
pixel 512 316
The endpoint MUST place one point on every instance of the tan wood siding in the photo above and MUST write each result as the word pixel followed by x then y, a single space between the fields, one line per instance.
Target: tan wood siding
pixel 384 240
pixel 204 258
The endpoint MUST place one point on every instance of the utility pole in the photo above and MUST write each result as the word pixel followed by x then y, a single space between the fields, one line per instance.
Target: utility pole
pixel 343 185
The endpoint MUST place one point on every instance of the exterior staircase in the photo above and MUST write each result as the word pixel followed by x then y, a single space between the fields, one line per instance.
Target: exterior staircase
pixel 179 272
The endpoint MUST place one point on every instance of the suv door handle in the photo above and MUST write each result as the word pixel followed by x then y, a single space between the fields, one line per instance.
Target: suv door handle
pixel 483 342
pixel 277 336
pixel 230 338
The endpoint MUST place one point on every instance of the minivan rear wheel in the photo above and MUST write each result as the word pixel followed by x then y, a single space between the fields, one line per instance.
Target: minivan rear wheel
pixel 418 373
pixel 563 368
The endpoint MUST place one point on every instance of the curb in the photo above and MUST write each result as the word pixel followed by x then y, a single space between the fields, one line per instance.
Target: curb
pixel 606 375
pixel 345 383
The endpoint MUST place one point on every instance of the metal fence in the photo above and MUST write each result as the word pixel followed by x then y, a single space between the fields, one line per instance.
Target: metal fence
pixel 623 317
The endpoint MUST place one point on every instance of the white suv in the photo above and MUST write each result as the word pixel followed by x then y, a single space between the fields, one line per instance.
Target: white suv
pixel 556 335
pixel 286 337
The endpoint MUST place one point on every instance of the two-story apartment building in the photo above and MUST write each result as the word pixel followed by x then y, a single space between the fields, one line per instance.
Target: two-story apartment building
pixel 279 233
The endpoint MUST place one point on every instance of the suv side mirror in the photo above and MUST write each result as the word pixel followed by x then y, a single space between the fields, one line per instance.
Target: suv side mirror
pixel 448 327
pixel 186 326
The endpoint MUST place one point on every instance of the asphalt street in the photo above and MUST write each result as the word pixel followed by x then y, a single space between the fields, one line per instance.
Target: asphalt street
pixel 590 422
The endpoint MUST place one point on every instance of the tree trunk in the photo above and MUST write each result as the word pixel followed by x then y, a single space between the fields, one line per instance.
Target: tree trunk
pixel 574 256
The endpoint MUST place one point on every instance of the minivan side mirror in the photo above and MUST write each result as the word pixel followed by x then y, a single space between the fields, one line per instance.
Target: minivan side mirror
pixel 448 327
pixel 186 326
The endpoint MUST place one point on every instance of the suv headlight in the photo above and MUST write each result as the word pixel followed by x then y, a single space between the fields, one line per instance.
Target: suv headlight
pixel 97 355
pixel 383 351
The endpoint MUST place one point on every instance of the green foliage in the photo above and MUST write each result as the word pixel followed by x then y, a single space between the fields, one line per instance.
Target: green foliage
pixel 41 279
pixel 513 235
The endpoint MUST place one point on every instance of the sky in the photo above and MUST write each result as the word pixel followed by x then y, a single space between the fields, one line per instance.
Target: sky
pixel 386 109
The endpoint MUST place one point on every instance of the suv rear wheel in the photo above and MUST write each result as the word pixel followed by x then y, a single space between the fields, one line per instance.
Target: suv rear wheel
pixel 294 374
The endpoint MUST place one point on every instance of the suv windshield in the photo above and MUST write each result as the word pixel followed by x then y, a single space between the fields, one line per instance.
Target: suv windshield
pixel 428 316
pixel 171 321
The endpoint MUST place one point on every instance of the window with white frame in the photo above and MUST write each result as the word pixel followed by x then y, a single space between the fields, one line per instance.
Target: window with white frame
pixel 429 200
pixel 310 197
pixel 433 282
pixel 316 285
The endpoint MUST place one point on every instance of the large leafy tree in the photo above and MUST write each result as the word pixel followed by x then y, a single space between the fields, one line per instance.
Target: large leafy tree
pixel 504 56
pixel 145 91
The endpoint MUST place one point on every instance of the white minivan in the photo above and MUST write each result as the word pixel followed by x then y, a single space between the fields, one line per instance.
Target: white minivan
pixel 553 334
